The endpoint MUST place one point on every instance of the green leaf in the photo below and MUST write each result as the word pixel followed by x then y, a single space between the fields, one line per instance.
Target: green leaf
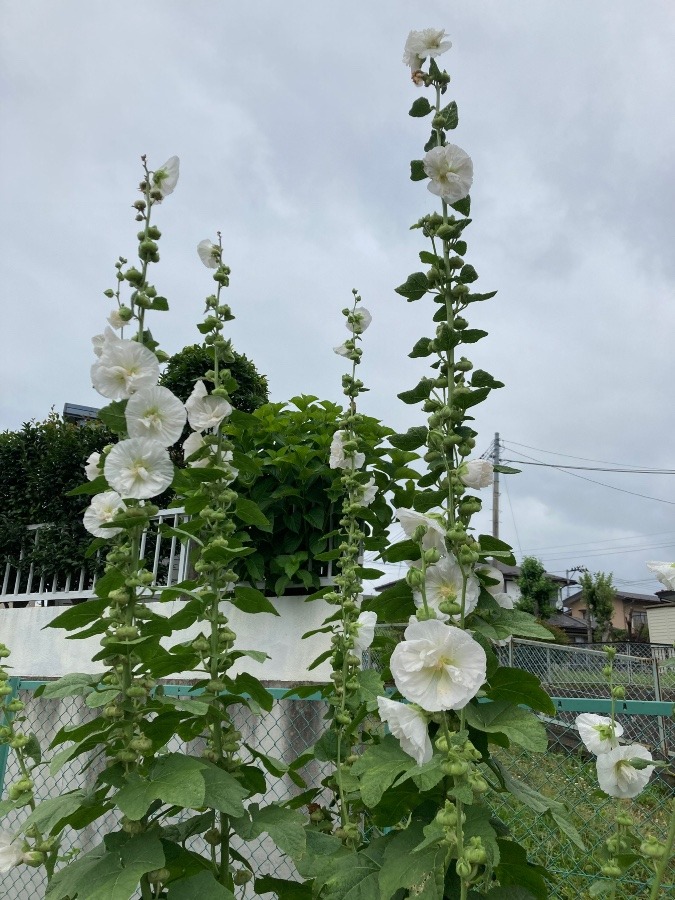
pixel 284 890
pixel 517 876
pixel 481 378
pixel 426 500
pixel 471 335
pixel 463 207
pixel 507 470
pixel 113 416
pixel 522 624
pixel 250 600
pixel 478 825
pixel 161 304
pixel 519 687
pixel 284 826
pixel 110 871
pixel 222 791
pixel 49 813
pixel 199 887
pixel 401 868
pixel 421 107
pixel 421 348
pixel 519 725
pixel 80 615
pixel 250 514
pixel 394 604
pixel 420 392
pixel 414 288
pixel 173 779
pixel 248 684
pixel 411 440
pixel 77 684
pixel 403 551
pixel 417 172
pixel 100 698
pixel 450 115
pixel 89 487
pixel 491 546
pixel 379 767
pixel 468 274
pixel 370 687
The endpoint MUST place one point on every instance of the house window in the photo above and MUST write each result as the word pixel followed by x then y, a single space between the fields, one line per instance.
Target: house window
pixel 639 618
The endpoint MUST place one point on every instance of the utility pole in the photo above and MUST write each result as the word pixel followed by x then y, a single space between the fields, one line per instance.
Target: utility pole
pixel 495 488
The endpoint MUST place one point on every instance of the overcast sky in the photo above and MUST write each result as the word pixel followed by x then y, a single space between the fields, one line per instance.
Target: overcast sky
pixel 290 121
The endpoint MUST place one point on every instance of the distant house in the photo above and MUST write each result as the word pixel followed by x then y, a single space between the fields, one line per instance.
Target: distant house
pixel 630 610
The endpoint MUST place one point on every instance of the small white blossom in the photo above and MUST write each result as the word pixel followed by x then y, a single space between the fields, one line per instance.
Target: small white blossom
pixel 93 468
pixel 10 851
pixel 115 319
pixel 597 733
pixel 204 410
pixel 435 536
pixel 123 368
pixel 165 178
pixel 665 572
pixel 100 341
pixel 365 635
pixel 443 582
pixel 155 413
pixel 139 467
pixel 102 509
pixel 409 725
pixel 450 171
pixel 343 350
pixel 369 493
pixel 419 45
pixel 476 474
pixel 338 458
pixel 191 445
pixel 209 253
pixel 438 666
pixel 494 574
pixel 617 777
pixel 362 319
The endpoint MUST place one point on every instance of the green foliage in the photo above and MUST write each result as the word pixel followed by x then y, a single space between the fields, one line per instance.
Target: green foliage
pixel 192 363
pixel 537 590
pixel 39 464
pixel 598 593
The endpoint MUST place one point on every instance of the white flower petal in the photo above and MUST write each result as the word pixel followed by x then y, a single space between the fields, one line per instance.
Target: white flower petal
pixel 429 42
pixel 204 410
pixel 494 574
pixel 617 777
pixel 341 460
pixel 139 467
pixel 11 853
pixel 363 320
pixel 409 725
pixel 102 509
pixel 115 319
pixel 123 368
pixel 476 473
pixel 155 413
pixel 665 572
pixel 435 536
pixel 209 253
pixel 450 171
pixel 342 350
pixel 444 582
pixel 595 732
pixel 165 178
pixel 369 493
pixel 438 666
pixel 93 468
pixel 365 623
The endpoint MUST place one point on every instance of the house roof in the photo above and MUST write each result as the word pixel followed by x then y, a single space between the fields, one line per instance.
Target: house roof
pixel 630 596
pixel 568 623
pixel 515 572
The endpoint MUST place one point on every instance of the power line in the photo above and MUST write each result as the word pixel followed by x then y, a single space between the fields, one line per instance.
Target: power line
pixel 570 456
pixel 525 462
pixel 587 545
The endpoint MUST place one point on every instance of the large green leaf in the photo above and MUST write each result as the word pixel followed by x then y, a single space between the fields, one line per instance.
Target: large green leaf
pixel 50 812
pixel 394 604
pixel 420 392
pixel 378 768
pixel 421 107
pixel 518 686
pixel 401 868
pixel 415 287
pixel 80 615
pixel 411 440
pixel 174 779
pixel 282 888
pixel 285 827
pixel 356 876
pixel 250 600
pixel 519 879
pixel 113 416
pixel 522 624
pixel 251 514
pixel 222 791
pixel 77 684
pixel 519 725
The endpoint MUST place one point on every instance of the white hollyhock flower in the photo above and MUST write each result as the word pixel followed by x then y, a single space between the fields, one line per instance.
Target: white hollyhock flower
pixel 139 467
pixel 438 666
pixel 665 572
pixel 165 178
pixel 617 777
pixel 365 623
pixel 338 458
pixel 342 350
pixel 102 509
pixel 204 410
pixel 100 341
pixel 435 536
pixel 115 319
pixel 209 253
pixel 450 170
pixel 409 725
pixel 597 733
pixel 419 45
pixel 192 444
pixel 444 582
pixel 123 368
pixel 493 573
pixel 476 473
pixel 93 468
pixel 10 851
pixel 369 493
pixel 362 318
pixel 155 413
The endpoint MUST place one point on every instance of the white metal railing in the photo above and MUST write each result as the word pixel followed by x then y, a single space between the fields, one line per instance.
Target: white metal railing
pixel 22 586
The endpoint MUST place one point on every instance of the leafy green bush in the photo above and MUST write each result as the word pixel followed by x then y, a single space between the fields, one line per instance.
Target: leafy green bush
pixel 191 364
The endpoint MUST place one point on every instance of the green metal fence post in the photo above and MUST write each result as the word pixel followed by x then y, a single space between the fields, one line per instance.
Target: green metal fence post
pixel 4 748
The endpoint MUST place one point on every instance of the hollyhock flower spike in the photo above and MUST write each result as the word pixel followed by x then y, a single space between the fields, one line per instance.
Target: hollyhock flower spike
pixel 443 585
pixel 665 572
pixel 617 777
pixel 155 413
pixel 476 474
pixel 209 253
pixel 165 178
pixel 123 368
pixel 409 725
pixel 103 509
pixel 365 634
pixel 597 732
pixel 138 468
pixel 339 458
pixel 450 171
pixel 435 535
pixel 10 851
pixel 205 411
pixel 438 666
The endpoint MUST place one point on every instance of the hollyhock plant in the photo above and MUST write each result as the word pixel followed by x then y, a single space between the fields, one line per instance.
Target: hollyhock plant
pixel 410 725
pixel 438 666
pixel 155 413
pixel 102 510
pixel 617 777
pixel 138 468
pixel 450 171
pixel 599 733
pixel 123 368
pixel 444 583
pixel 206 411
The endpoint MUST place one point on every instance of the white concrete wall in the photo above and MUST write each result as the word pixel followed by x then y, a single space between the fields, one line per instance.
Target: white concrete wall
pixel 661 625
